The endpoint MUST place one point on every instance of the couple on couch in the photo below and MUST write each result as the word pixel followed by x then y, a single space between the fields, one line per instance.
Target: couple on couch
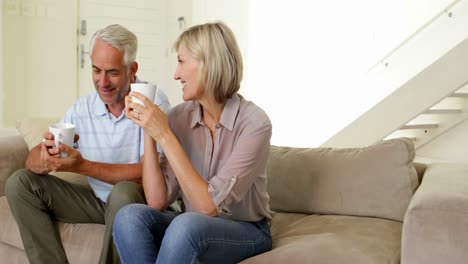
pixel 213 149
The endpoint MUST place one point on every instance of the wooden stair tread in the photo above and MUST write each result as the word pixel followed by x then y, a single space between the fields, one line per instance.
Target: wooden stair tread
pixel 460 94
pixel 420 126
pixel 444 111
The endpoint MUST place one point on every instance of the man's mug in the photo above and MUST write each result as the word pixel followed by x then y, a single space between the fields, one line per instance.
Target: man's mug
pixel 64 133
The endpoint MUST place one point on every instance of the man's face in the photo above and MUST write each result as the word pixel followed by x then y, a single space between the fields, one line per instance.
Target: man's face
pixel 188 73
pixel 111 77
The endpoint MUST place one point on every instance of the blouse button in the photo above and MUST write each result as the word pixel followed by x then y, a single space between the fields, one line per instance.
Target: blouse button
pixel 218 125
pixel 232 179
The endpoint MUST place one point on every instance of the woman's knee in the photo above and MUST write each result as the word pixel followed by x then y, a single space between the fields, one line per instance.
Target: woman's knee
pixel 126 217
pixel 189 225
pixel 129 214
pixel 130 220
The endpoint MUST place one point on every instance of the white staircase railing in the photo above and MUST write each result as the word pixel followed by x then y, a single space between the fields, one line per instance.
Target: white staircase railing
pixel 438 119
pixel 428 74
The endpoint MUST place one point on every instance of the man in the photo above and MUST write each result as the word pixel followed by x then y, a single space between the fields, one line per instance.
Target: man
pixel 110 150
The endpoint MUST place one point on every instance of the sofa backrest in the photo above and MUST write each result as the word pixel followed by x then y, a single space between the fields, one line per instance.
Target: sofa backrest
pixel 13 153
pixel 375 181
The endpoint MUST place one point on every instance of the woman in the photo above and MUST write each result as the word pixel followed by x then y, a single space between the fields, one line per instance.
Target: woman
pixel 215 148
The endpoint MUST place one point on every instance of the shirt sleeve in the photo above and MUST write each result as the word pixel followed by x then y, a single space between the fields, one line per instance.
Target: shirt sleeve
pixel 162 101
pixel 68 117
pixel 247 162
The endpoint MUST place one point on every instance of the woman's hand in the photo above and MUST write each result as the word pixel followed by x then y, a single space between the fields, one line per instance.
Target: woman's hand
pixel 149 117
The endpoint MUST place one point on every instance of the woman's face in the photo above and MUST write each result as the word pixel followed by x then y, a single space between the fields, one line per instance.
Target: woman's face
pixel 188 73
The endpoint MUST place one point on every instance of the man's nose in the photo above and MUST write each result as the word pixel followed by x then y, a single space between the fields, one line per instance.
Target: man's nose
pixel 104 80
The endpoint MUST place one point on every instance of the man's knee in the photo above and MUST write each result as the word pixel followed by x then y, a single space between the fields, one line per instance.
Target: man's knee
pixel 18 181
pixel 124 193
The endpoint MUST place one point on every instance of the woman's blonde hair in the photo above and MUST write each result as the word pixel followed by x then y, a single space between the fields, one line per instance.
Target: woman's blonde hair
pixel 215 46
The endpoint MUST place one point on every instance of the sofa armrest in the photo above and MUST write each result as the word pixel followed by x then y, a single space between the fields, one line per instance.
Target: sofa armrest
pixel 13 154
pixel 435 228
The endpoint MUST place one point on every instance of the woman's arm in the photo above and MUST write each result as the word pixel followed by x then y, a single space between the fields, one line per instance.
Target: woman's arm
pixel 192 184
pixel 154 182
pixel 155 124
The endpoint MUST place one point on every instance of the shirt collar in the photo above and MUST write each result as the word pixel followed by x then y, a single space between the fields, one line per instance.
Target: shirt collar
pixel 228 117
pixel 230 111
pixel 99 108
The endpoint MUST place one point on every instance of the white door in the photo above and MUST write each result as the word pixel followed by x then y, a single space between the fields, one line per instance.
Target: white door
pixel 145 18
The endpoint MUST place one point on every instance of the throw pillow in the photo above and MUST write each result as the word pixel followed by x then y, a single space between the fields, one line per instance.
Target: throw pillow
pixel 33 129
pixel 374 181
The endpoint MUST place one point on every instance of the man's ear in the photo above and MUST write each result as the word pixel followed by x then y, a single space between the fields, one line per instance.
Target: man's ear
pixel 133 71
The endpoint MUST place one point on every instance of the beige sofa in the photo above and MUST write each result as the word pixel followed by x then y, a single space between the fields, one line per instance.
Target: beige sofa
pixel 362 205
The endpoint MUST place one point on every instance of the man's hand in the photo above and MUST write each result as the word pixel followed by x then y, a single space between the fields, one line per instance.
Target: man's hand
pixel 71 163
pixel 45 157
pixel 49 143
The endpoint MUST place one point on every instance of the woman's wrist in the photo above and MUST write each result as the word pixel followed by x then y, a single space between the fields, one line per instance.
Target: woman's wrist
pixel 165 137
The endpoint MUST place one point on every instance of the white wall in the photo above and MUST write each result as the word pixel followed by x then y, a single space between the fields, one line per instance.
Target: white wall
pixel 1 64
pixel 308 64
pixel 450 147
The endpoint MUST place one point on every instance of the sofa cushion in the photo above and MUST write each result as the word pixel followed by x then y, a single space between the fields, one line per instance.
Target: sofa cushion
pixel 82 242
pixel 12 254
pixel 32 130
pixel 9 232
pixel 436 222
pixel 300 238
pixel 374 181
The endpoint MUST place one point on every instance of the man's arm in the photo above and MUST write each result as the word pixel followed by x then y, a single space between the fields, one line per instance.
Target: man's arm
pixel 42 160
pixel 34 162
pixel 111 173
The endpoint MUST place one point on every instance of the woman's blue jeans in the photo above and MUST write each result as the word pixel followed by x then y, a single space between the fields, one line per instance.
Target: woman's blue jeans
pixel 145 235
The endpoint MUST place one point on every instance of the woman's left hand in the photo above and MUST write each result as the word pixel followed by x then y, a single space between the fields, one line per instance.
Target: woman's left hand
pixel 149 117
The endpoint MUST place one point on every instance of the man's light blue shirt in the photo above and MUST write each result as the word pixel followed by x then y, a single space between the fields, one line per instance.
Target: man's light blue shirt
pixel 105 138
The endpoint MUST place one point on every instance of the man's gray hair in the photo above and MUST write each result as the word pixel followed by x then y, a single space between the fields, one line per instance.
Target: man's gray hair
pixel 120 38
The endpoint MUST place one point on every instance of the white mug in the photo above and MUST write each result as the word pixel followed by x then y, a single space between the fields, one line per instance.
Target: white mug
pixel 147 89
pixel 64 133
